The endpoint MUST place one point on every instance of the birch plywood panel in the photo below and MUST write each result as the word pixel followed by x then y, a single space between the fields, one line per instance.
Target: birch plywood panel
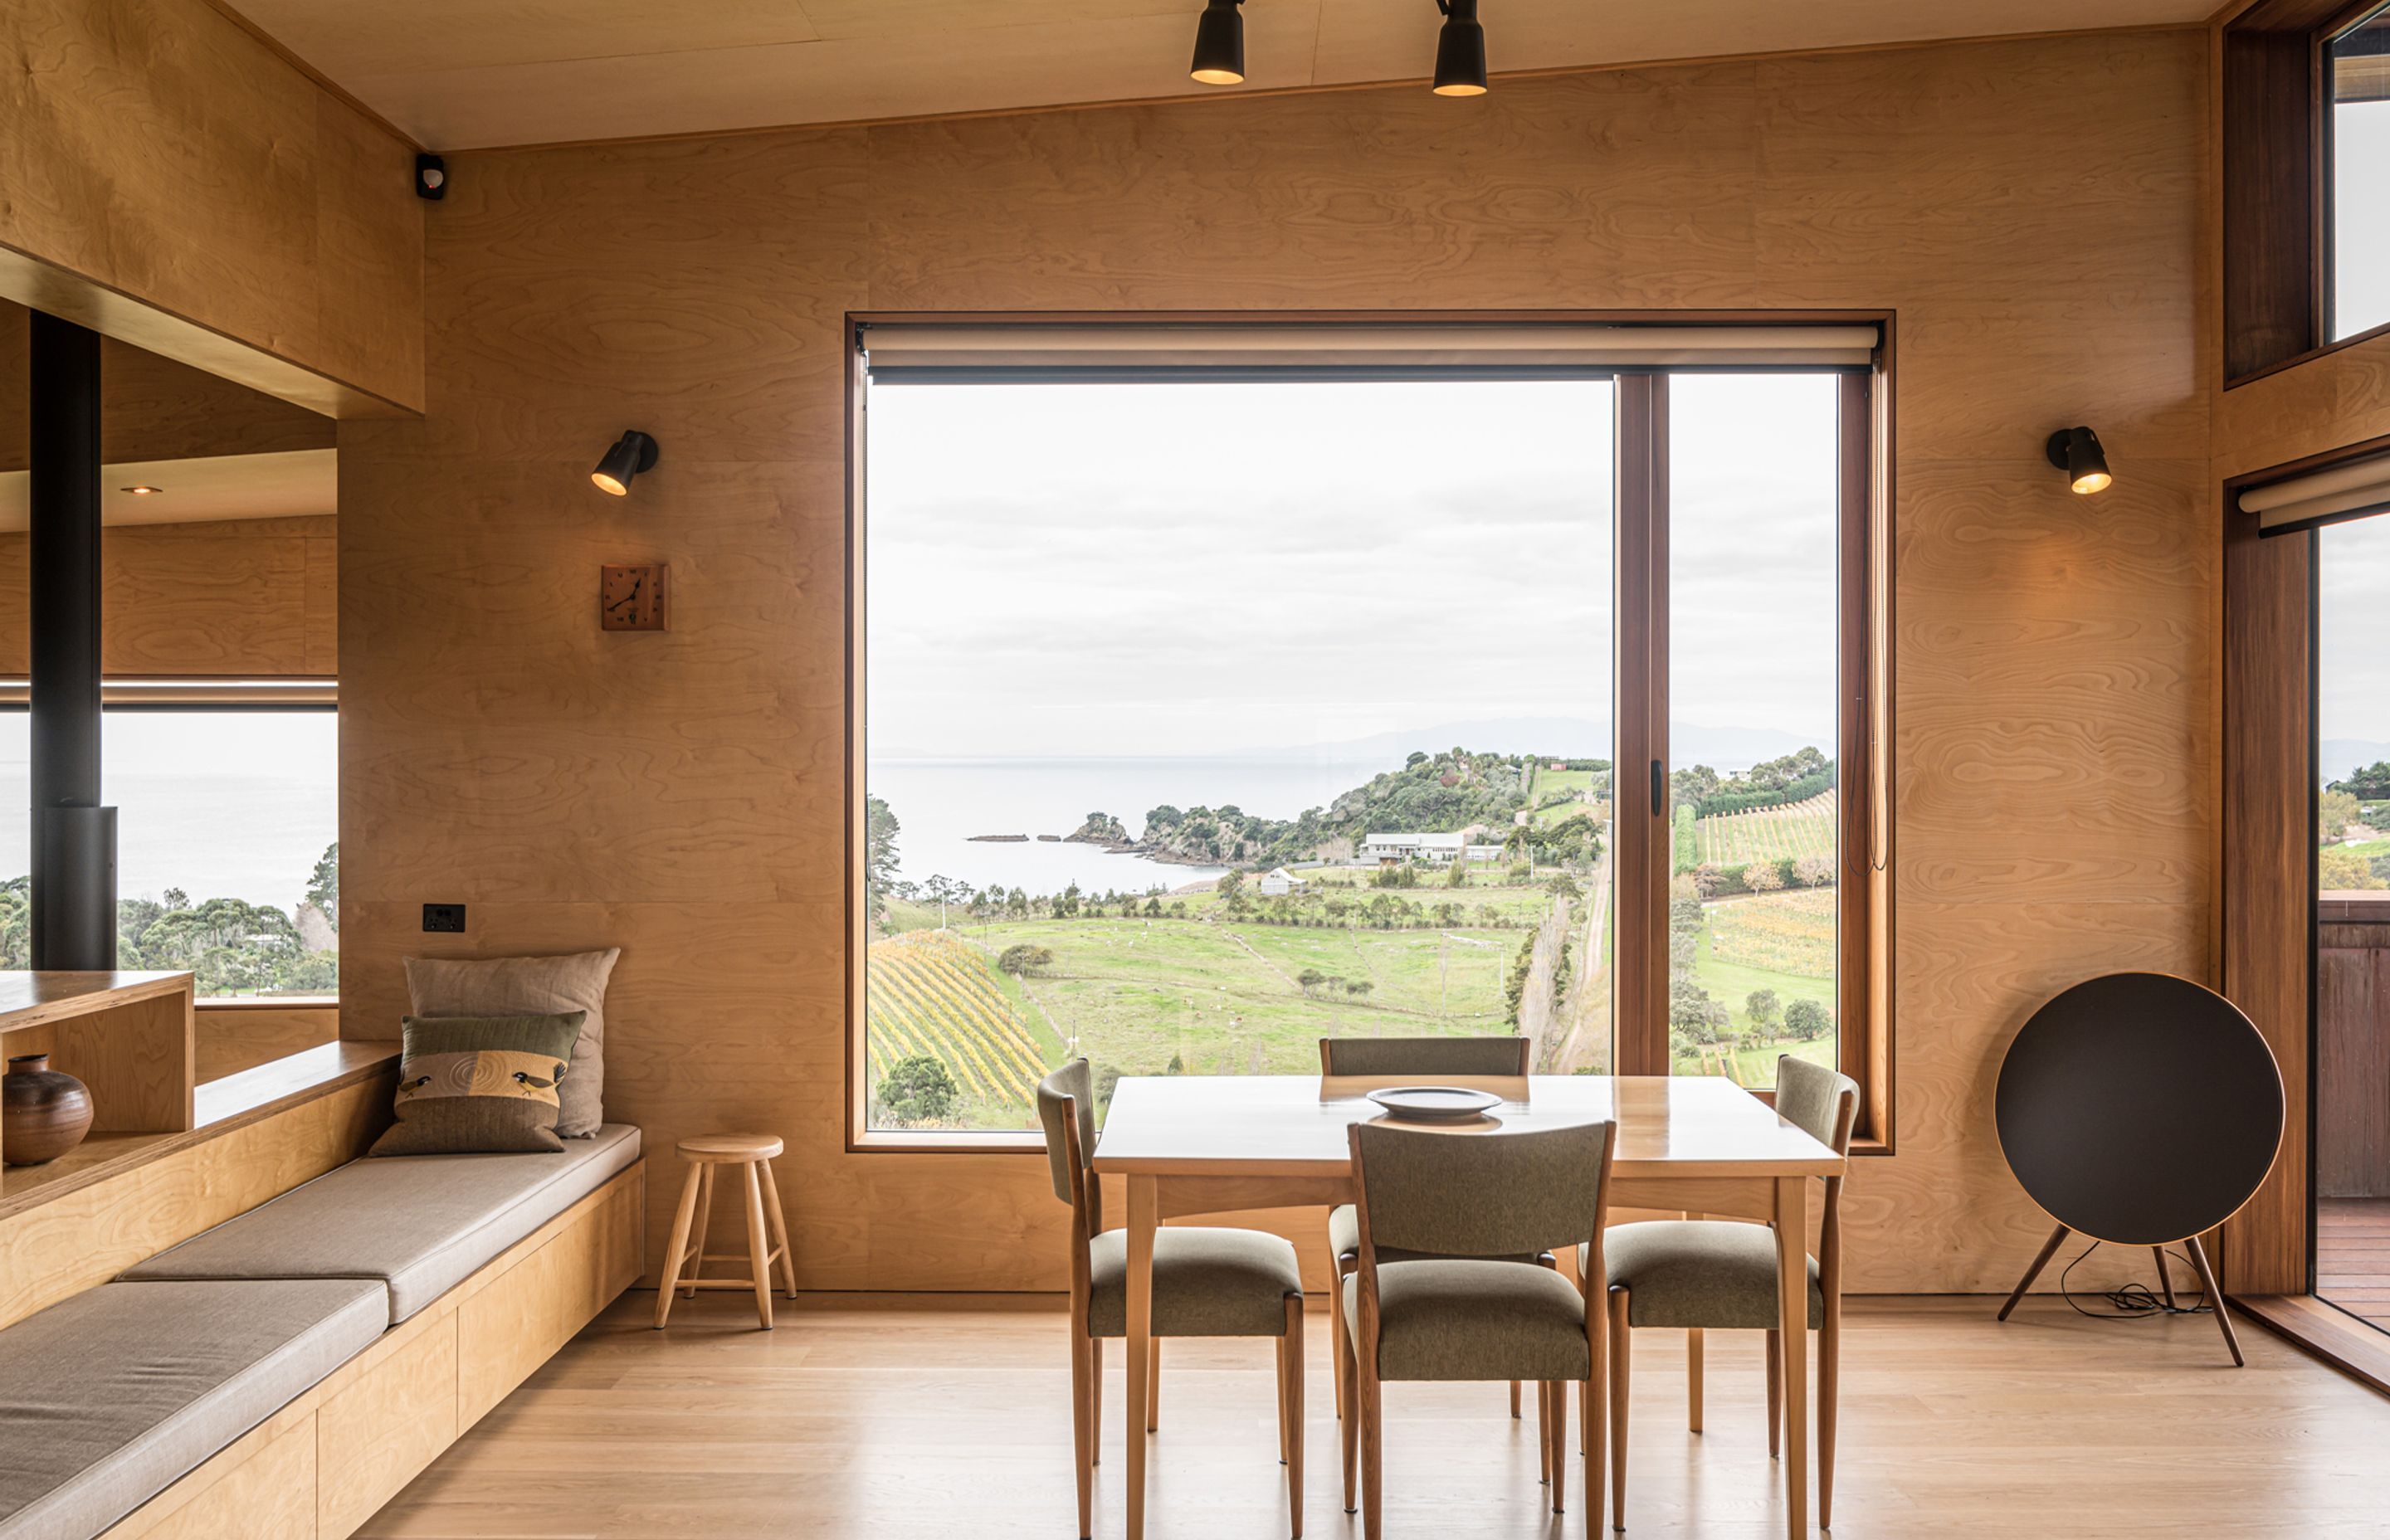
pixel 681 795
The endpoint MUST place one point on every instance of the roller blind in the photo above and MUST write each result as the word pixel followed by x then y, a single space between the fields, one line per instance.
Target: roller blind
pixel 903 351
pixel 2360 486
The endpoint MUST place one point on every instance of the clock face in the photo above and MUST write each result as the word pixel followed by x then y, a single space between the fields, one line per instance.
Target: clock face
pixel 631 598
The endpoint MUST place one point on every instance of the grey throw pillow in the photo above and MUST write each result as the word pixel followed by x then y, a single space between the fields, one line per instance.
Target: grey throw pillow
pixel 531 986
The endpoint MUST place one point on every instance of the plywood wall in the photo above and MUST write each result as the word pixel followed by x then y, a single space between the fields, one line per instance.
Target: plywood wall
pixel 2031 209
pixel 236 598
pixel 172 180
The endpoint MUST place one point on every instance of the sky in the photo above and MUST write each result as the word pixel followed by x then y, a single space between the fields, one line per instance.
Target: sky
pixel 1198 569
pixel 2361 208
pixel 2353 631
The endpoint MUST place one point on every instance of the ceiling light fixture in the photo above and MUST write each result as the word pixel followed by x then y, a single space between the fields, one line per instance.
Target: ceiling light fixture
pixel 2076 451
pixel 143 491
pixel 1459 50
pixel 1220 44
pixel 634 453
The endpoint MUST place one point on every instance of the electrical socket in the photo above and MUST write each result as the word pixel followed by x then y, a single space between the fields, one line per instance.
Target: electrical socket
pixel 444 916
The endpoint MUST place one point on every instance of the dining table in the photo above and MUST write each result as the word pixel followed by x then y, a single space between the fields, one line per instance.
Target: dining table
pixel 1190 1144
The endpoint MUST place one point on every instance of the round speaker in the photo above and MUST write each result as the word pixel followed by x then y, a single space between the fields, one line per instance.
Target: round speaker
pixel 2139 1108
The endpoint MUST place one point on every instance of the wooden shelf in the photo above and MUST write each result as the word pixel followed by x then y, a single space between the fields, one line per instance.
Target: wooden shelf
pixel 126 1036
pixel 223 1105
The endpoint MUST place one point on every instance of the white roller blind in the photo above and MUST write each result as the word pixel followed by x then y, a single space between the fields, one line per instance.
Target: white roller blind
pixel 898 348
pixel 2351 488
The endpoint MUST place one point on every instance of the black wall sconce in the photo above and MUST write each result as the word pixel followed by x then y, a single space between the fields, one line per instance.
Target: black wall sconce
pixel 2076 451
pixel 1459 47
pixel 634 453
pixel 1220 45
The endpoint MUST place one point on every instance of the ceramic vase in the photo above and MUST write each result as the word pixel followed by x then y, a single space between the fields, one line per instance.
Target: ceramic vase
pixel 43 1112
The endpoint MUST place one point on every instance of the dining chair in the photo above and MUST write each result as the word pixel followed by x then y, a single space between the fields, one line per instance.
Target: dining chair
pixel 1206 1283
pixel 1720 1274
pixel 1452 1203
pixel 1425 1057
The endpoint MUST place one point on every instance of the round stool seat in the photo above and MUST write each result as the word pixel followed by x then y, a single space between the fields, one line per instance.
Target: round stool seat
pixel 729 1149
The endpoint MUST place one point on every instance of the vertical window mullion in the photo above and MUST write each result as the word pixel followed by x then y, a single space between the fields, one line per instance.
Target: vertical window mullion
pixel 1858 755
pixel 1643 858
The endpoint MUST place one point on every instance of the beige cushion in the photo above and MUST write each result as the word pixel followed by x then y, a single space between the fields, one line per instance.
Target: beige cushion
pixel 531 986
pixel 1474 1320
pixel 1708 1273
pixel 1206 1283
pixel 419 1224
pixel 112 1396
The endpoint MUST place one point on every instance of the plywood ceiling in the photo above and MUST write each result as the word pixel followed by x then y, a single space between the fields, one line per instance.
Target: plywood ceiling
pixel 465 73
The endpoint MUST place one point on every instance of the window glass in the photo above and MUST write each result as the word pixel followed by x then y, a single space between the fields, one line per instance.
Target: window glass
pixel 2359 70
pixel 2352 707
pixel 1754 551
pixel 227 860
pixel 1206 720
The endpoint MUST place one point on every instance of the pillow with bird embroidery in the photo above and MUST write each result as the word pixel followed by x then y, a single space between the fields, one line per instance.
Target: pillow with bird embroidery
pixel 480 1085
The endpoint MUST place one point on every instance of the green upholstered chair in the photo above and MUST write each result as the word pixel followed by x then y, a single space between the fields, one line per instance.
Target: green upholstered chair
pixel 1425 1057
pixel 1703 1274
pixel 1206 1283
pixel 1452 1205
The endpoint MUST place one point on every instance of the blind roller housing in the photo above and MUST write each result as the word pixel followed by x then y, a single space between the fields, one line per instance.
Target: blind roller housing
pixel 2360 486
pixel 895 350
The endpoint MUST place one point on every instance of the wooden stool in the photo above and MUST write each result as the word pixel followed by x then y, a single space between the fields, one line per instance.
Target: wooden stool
pixel 753 1152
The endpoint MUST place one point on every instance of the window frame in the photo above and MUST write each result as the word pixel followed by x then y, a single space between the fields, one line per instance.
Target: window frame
pixel 2275 199
pixel 1864 601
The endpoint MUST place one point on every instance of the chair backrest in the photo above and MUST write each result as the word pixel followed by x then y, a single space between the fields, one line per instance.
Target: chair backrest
pixel 1482 1195
pixel 1424 1055
pixel 1820 1102
pixel 1066 1106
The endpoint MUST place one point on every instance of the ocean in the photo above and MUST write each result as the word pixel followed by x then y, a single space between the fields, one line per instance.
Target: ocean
pixel 940 804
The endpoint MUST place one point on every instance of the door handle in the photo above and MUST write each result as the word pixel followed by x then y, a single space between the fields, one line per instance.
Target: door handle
pixel 1659 789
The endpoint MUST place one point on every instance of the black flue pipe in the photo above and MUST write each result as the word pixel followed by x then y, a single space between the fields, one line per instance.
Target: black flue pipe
pixel 73 836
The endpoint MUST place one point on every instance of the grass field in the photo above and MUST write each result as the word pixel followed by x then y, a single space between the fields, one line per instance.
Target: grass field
pixel 1564 789
pixel 1769 941
pixel 1768 833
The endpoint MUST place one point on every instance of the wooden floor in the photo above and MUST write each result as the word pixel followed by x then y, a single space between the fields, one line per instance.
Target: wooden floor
pixel 2353 1256
pixel 907 1417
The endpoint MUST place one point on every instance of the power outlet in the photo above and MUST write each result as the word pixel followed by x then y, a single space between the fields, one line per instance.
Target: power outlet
pixel 444 916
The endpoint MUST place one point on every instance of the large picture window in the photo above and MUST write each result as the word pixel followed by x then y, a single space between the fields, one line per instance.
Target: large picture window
pixel 227 853
pixel 1207 710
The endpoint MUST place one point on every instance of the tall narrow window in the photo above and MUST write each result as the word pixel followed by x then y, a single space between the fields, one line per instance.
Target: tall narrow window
pixel 1753 682
pixel 2358 75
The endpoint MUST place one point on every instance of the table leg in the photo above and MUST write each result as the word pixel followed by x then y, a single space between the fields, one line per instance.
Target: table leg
pixel 1144 1209
pixel 1793 1316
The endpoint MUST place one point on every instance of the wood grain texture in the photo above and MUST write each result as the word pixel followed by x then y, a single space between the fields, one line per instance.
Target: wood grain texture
pixel 511 1319
pixel 231 1041
pixel 2352 1066
pixel 2030 209
pixel 393 1412
pixel 253 597
pixel 261 1487
pixel 174 183
pixel 2337 398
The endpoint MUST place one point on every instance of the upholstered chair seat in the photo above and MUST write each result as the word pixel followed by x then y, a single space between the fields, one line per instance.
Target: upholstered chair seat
pixel 1702 1272
pixel 1459 1319
pixel 1206 1283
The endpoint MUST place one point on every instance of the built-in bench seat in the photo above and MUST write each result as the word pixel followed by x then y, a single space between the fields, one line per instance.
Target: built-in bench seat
pixel 111 1396
pixel 421 1223
pixel 284 1373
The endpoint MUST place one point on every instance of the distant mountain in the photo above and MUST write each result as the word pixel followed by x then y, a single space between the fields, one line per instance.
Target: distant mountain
pixel 1556 737
pixel 2335 757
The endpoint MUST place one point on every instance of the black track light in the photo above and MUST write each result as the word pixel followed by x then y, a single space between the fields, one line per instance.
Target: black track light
pixel 2076 451
pixel 1220 44
pixel 1459 50
pixel 631 454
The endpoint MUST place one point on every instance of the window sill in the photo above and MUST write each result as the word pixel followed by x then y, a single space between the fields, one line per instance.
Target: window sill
pixel 954 1142
pixel 268 1002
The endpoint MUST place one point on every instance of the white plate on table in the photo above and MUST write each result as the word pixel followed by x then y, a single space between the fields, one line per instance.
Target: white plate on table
pixel 1434 1103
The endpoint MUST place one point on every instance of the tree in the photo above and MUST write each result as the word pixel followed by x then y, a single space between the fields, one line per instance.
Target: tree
pixel 323 885
pixel 1231 883
pixel 1023 958
pixel 879 829
pixel 1153 908
pixel 2334 811
pixel 1813 871
pixel 1761 1007
pixel 1564 886
pixel 2340 869
pixel 1761 877
pixel 2370 784
pixel 1358 986
pixel 1309 980
pixel 917 1089
pixel 1692 1012
pixel 1457 877
pixel 1807 1021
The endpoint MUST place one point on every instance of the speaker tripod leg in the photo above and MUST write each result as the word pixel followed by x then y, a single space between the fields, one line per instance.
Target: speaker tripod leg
pixel 2215 1299
pixel 2165 1278
pixel 2048 1250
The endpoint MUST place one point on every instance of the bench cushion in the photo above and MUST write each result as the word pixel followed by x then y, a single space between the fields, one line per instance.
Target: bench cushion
pixel 421 1223
pixel 112 1396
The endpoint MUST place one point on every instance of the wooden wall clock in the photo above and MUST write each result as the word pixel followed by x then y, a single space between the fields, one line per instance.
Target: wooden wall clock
pixel 633 598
